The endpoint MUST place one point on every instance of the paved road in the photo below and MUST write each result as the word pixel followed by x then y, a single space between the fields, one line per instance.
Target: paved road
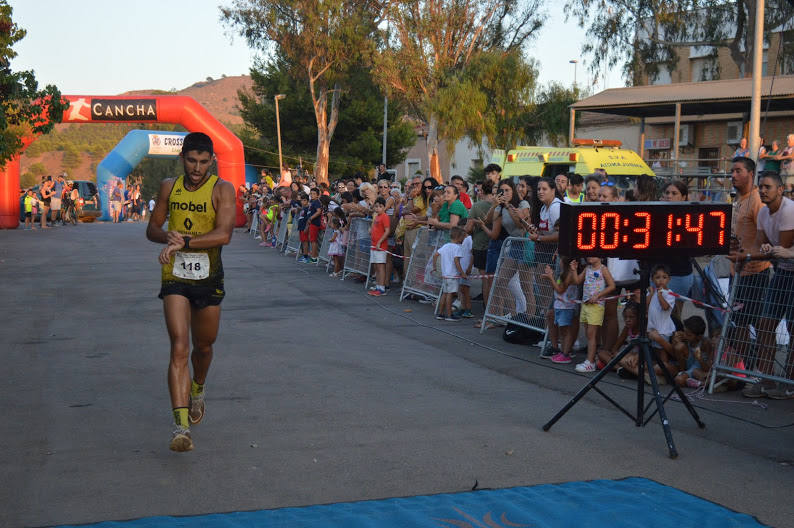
pixel 318 394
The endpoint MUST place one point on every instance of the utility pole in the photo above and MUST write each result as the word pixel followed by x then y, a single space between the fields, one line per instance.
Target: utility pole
pixel 385 127
pixel 278 133
pixel 755 102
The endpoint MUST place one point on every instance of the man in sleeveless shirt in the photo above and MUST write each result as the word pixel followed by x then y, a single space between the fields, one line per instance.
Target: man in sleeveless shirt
pixel 200 209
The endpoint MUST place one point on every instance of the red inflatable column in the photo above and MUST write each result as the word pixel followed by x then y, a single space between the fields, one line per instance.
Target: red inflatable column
pixel 9 194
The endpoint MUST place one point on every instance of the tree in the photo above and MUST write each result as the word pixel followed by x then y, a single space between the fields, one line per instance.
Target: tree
pixel 643 34
pixel 503 88
pixel 24 109
pixel 358 138
pixel 321 38
pixel 433 41
pixel 551 114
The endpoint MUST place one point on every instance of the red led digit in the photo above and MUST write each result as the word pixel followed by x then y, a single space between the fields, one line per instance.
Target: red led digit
pixel 593 226
pixel 615 239
pixel 695 229
pixel 669 230
pixel 721 216
pixel 644 230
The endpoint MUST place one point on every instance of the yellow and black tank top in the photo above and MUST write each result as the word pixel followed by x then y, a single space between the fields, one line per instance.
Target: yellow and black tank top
pixel 192 213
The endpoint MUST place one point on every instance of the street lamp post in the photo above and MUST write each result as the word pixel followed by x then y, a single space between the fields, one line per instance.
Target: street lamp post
pixel 574 62
pixel 278 133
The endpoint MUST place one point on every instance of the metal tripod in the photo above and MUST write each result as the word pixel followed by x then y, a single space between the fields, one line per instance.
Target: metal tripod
pixel 646 358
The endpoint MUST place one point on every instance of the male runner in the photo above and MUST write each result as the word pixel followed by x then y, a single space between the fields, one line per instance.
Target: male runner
pixel 201 212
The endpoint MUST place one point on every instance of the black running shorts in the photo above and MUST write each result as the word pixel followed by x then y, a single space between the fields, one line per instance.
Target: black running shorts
pixel 199 296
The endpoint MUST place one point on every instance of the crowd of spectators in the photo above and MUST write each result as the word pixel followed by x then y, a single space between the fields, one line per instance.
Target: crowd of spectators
pixel 56 201
pixel 590 295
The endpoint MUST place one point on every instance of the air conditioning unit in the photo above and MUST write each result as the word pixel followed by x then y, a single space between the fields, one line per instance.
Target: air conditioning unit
pixel 686 134
pixel 735 130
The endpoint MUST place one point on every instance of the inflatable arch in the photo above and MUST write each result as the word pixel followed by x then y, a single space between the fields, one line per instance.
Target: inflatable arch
pixel 133 147
pixel 173 109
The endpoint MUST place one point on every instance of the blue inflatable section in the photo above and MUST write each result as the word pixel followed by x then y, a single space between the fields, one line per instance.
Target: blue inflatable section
pixel 121 160
pixel 251 175
pixel 628 503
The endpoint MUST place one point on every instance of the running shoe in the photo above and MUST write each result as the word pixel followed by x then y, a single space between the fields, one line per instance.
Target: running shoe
pixel 313 261
pixel 377 293
pixel 196 412
pixel 757 390
pixel 624 373
pixel 561 358
pixel 467 314
pixel 181 440
pixel 301 260
pixel 440 317
pixel 453 318
pixel 781 392
pixel 585 366
pixel 549 352
pixel 693 383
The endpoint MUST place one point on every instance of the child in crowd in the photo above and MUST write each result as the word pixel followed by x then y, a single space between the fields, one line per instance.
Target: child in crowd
pixel 451 271
pixel 303 226
pixel 660 308
pixel 464 284
pixel 315 224
pixel 598 284
pixel 608 193
pixel 30 201
pixel 566 292
pixel 379 234
pixel 631 330
pixel 335 250
pixel 694 352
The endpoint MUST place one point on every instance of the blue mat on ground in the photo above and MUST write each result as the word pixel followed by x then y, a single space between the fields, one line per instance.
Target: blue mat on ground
pixel 631 502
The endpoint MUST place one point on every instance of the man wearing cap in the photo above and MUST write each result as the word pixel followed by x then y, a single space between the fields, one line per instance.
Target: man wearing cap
pixel 200 209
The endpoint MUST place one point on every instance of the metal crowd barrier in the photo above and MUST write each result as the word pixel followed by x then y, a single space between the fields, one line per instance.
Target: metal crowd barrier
pixel 518 293
pixel 293 244
pixel 358 246
pixel 756 338
pixel 283 230
pixel 326 237
pixel 254 230
pixel 419 278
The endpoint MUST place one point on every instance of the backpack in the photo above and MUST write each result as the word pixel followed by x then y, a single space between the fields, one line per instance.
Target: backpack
pixel 521 335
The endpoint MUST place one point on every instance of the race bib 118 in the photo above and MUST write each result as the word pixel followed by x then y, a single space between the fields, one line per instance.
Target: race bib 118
pixel 192 266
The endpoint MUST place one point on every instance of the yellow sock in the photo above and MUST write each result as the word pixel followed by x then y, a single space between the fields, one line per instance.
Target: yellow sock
pixel 195 388
pixel 180 416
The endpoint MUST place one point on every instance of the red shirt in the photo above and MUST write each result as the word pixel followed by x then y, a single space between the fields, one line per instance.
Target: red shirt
pixel 381 225
pixel 466 200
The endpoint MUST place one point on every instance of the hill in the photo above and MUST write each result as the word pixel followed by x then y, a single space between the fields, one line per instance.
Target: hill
pixel 78 148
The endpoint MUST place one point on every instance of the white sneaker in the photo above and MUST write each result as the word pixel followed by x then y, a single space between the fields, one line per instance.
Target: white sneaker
pixel 585 366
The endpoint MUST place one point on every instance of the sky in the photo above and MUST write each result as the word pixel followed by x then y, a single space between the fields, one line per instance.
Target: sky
pixel 93 47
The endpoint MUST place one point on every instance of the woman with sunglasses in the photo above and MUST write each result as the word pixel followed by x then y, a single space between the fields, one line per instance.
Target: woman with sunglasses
pixel 393 212
pixel 414 211
pixel 452 210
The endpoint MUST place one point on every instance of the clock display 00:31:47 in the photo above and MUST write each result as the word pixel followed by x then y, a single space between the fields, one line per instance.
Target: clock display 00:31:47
pixel 610 230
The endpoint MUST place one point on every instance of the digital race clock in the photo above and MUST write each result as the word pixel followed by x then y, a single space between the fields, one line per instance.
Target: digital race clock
pixel 642 230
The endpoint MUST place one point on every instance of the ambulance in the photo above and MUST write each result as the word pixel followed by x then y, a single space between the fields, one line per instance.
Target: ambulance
pixel 621 165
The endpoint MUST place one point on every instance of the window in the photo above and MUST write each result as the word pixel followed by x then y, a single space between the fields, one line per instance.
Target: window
pixel 734 133
pixel 705 155
pixel 704 69
pixel 662 76
pixel 412 166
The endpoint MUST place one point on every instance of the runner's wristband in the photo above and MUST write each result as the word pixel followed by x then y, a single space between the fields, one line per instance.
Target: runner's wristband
pixel 187 242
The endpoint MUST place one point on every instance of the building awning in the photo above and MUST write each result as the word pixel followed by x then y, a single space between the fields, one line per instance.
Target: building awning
pixel 696 98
